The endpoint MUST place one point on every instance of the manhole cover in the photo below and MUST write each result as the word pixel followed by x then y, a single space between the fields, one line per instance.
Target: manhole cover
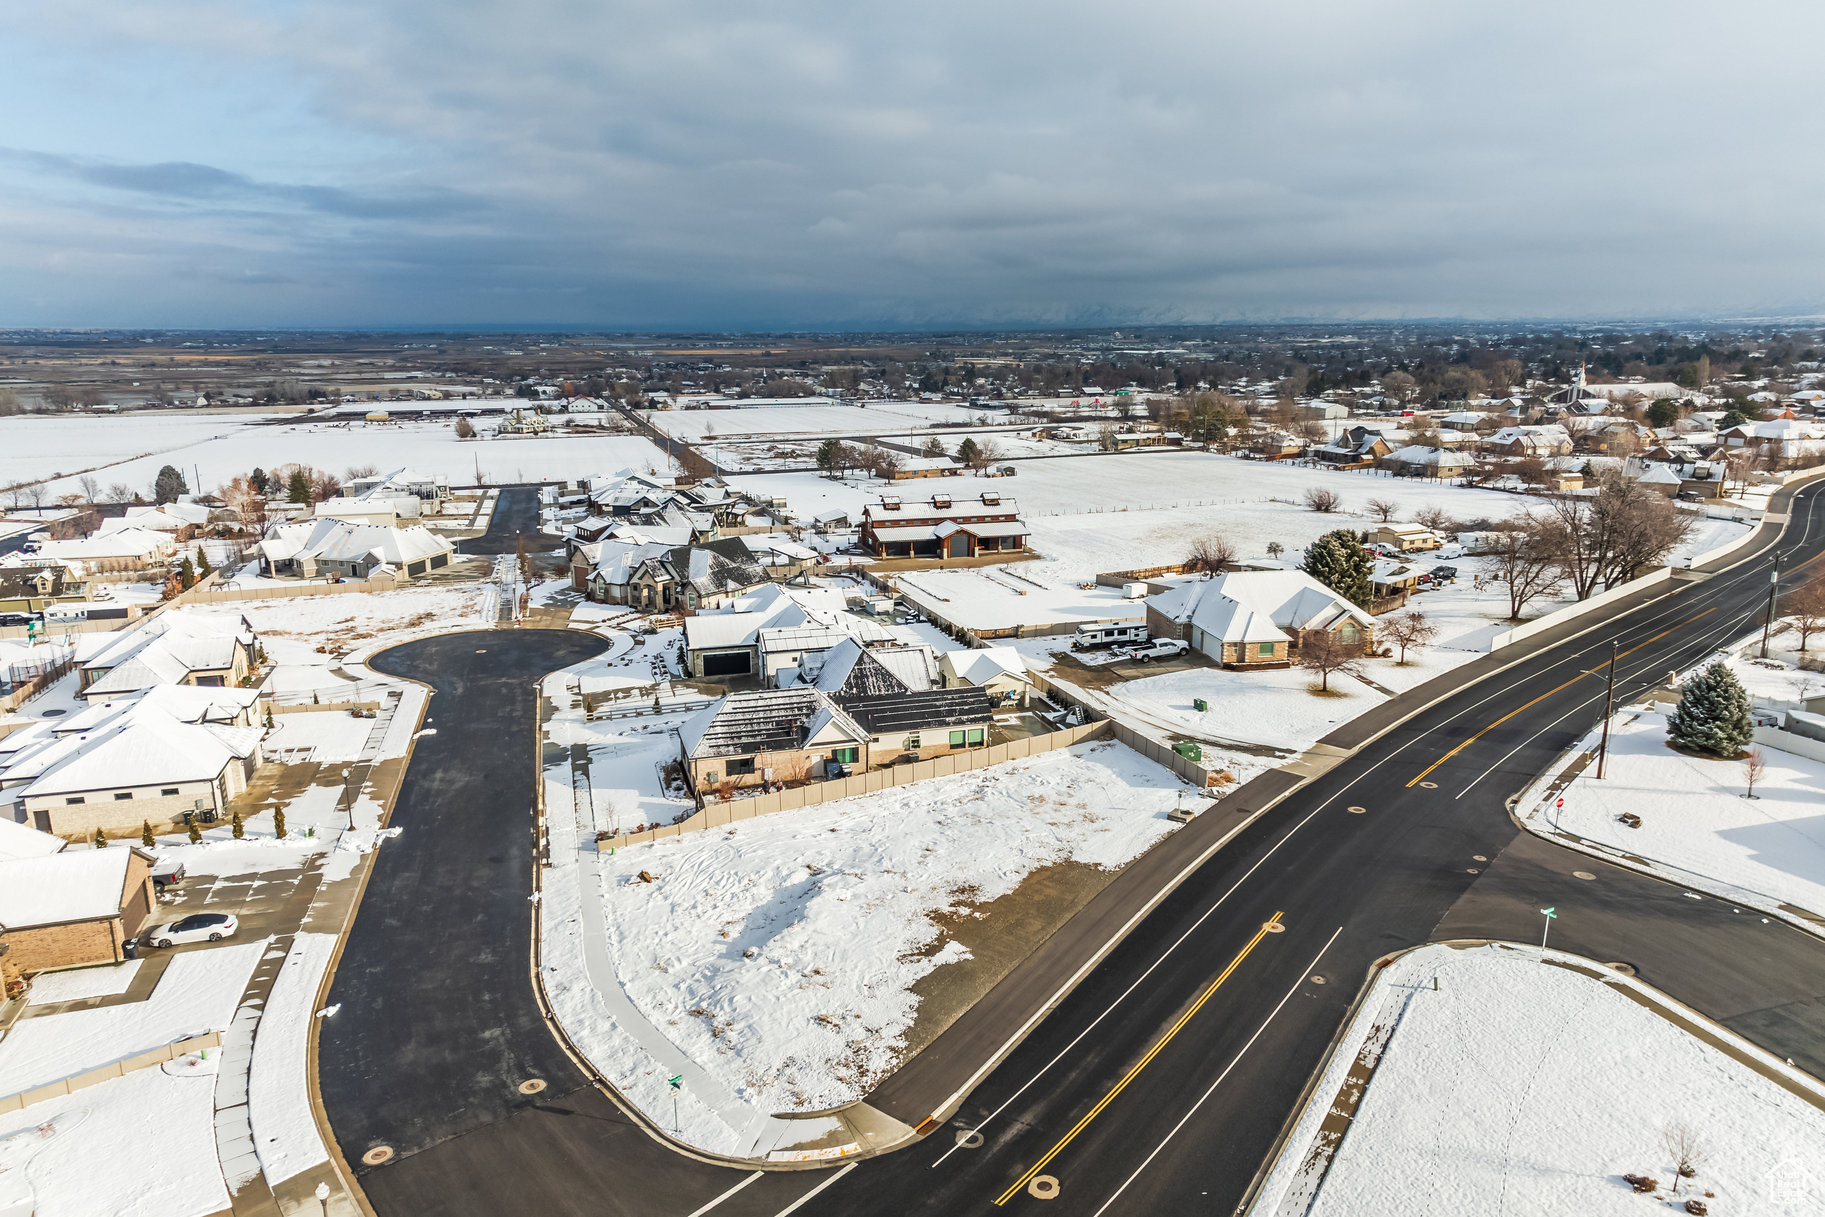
pixel 1627 969
pixel 969 1138
pixel 1043 1187
pixel 1582 874
pixel 1428 785
pixel 378 1155
pixel 1274 927
pixel 1318 980
pixel 532 1085
pixel 1356 811
pixel 1478 858
pixel 1474 870
pixel 54 713
pixel 481 650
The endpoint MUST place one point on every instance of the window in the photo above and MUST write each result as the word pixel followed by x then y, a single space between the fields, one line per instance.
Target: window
pixel 73 800
pixel 122 794
pixel 845 756
pixel 169 790
pixel 956 739
pixel 976 735
pixel 1267 650
pixel 740 765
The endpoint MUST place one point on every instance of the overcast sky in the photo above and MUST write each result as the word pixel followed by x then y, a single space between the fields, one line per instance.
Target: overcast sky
pixel 805 165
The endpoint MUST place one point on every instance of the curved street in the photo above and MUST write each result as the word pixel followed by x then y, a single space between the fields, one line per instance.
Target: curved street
pixel 1407 841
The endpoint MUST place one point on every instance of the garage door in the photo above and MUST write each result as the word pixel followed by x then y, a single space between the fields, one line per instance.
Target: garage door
pixel 729 663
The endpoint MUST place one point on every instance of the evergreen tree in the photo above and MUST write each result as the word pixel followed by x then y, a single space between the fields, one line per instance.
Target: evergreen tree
pixel 257 479
pixel 100 839
pixel 195 834
pixel 169 486
pixel 298 489
pixel 186 574
pixel 278 822
pixel 1713 714
pixel 1337 561
pixel 202 563
pixel 239 830
pixel 145 835
pixel 968 451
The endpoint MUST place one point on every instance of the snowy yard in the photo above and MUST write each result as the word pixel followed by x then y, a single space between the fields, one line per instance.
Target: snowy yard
pixel 1696 826
pixel 1531 1085
pixel 773 962
pixel 759 419
pixel 292 629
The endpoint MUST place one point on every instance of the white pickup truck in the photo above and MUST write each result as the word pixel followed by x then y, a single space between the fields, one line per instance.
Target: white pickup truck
pixel 1156 648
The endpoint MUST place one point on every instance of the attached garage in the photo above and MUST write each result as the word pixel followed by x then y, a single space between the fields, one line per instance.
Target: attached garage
pixel 728 663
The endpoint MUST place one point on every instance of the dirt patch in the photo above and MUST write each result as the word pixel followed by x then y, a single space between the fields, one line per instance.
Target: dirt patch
pixel 999 934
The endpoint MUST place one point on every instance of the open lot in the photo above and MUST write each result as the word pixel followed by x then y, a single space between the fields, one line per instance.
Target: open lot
pixel 1530 1082
pixel 883 418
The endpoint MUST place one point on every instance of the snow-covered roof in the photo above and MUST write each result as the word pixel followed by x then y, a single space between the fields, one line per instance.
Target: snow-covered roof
pixel 24 841
pixel 1659 475
pixel 979 667
pixel 1257 606
pixel 165 650
pixel 136 745
pixel 332 540
pixel 72 885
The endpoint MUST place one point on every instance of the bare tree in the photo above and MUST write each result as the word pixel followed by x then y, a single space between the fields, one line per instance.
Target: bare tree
pixel 1275 549
pixel 887 462
pixel 1755 764
pixel 464 428
pixel 91 489
pixel 1383 509
pixel 1617 535
pixel 1323 500
pixel 1526 562
pixel 1806 605
pixel 1686 1150
pixel 988 453
pixel 1408 630
pixel 356 472
pixel 1434 517
pixel 1211 553
pixel 1325 653
pixel 1399 386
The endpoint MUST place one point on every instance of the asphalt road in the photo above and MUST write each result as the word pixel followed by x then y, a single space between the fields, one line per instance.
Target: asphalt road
pixel 516 516
pixel 1162 1081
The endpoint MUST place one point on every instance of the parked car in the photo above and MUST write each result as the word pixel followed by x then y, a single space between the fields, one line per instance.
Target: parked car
pixel 16 618
pixel 167 874
pixel 1158 648
pixel 1443 574
pixel 198 927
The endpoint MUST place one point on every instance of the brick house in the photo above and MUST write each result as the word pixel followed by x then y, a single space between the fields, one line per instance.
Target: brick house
pixel 67 908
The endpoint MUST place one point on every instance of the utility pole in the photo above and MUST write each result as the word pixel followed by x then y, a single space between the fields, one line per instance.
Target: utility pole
pixel 1774 591
pixel 1609 709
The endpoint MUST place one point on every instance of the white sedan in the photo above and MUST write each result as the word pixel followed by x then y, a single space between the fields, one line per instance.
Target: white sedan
pixel 198 927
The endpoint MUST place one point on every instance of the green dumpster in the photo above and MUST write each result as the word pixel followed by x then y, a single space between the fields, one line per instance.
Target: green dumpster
pixel 1189 751
pixel 1198 703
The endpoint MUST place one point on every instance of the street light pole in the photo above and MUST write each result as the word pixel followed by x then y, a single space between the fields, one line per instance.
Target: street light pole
pixel 1609 709
pixel 1774 591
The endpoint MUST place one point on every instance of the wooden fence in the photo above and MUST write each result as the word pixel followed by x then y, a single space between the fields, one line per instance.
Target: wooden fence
pixel 1198 775
pixel 719 814
pixel 228 595
pixel 113 1069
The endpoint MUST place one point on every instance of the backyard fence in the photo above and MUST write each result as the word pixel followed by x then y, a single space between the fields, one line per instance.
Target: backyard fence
pixel 1198 775
pixel 721 814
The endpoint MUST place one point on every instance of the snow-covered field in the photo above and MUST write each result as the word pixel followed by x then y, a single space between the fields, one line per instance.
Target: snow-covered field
pixel 776 958
pixel 996 598
pixel 759 419
pixel 1530 1085
pixel 1696 823
pixel 343 622
pixel 215 448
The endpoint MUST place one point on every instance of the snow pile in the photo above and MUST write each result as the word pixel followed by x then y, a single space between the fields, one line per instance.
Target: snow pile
pixel 780 954
pixel 278 1093
pixel 1527 1086
pixel 1696 825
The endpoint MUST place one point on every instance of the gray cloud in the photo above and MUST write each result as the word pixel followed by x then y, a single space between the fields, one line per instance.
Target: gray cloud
pixel 813 163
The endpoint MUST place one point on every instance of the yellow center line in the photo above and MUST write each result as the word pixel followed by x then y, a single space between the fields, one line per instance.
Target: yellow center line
pixel 1536 701
pixel 1141 1064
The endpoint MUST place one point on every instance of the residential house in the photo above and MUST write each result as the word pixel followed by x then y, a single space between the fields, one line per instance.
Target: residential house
pixel 1530 439
pixel 726 642
pixel 308 549
pixel 1246 619
pixel 1355 446
pixel 119 549
pixel 658 578
pixel 69 908
pixel 30 586
pixel 1662 479
pixel 177 647
pixel 911 468
pixel 1406 537
pixel 769 735
pixel 1421 461
pixel 1391 577
pixel 943 526
pixel 1001 672
pixel 1277 445
pixel 125 767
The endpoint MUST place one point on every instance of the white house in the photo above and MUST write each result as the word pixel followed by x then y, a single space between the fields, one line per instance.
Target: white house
pixel 312 548
pixel 1246 619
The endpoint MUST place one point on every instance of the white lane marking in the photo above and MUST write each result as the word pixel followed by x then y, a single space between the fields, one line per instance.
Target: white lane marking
pixel 1236 1060
pixel 794 1206
pixel 1731 626
pixel 712 1204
